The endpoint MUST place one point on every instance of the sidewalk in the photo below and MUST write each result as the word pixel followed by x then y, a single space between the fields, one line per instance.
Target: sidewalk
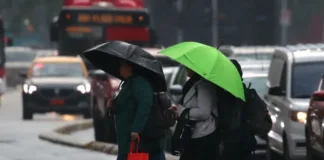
pixel 81 135
pixel 84 135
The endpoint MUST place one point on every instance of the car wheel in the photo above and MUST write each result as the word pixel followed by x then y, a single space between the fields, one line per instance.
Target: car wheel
pixel 286 155
pixel 272 155
pixel 99 130
pixel 309 153
pixel 27 114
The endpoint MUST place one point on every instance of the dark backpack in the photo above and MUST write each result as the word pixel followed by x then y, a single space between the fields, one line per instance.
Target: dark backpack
pixel 240 121
pixel 160 118
pixel 255 113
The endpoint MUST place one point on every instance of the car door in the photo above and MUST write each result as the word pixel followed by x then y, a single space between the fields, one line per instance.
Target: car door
pixel 277 77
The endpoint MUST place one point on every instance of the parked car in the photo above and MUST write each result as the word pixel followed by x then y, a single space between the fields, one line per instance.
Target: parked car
pixel 103 86
pixel 56 84
pixel 314 130
pixel 293 76
pixel 241 53
pixel 18 59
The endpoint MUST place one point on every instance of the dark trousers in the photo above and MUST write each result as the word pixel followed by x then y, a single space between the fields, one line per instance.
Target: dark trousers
pixel 152 156
pixel 204 148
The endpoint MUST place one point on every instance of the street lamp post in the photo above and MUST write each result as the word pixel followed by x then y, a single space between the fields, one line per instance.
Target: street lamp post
pixel 214 19
pixel 180 33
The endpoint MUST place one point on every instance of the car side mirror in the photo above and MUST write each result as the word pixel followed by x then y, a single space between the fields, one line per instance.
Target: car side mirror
pixel 175 89
pixel 276 91
pixel 23 75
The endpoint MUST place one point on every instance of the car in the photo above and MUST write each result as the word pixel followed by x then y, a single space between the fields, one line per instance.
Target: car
pixel 18 59
pixel 241 53
pixel 294 73
pixel 314 128
pixel 103 87
pixel 56 84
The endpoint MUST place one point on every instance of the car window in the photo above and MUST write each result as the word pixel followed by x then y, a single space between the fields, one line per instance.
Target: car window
pixel 305 79
pixel 181 77
pixel 57 70
pixel 258 83
pixel 19 56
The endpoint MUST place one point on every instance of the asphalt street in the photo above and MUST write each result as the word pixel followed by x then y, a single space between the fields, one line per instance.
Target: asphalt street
pixel 19 139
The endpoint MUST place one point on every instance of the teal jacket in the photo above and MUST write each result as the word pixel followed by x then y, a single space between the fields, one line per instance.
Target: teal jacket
pixel 133 106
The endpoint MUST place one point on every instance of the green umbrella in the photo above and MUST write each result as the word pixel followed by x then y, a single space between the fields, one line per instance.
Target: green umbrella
pixel 210 63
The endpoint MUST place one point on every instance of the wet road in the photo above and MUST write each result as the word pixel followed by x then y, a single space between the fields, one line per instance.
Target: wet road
pixel 19 139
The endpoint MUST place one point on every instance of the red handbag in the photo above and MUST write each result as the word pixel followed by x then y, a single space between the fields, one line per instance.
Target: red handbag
pixel 134 154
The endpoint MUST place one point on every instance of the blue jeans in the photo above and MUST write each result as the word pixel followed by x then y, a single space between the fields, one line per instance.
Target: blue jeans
pixel 155 156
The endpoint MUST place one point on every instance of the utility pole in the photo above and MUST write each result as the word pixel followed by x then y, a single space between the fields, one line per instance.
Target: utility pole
pixel 214 28
pixel 285 20
pixel 180 33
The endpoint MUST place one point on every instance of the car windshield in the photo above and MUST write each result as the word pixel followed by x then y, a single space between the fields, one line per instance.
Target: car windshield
pixel 257 56
pixel 305 79
pixel 258 83
pixel 19 56
pixel 57 70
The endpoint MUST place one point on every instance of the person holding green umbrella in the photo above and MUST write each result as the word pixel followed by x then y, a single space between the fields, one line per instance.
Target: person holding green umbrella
pixel 207 68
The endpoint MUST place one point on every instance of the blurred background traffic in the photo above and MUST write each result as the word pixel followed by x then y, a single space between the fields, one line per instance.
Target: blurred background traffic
pixel 278 43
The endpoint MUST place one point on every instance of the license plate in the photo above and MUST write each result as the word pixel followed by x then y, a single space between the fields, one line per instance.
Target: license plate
pixel 57 102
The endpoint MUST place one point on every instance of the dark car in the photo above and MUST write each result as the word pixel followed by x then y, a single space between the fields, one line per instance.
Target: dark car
pixel 56 84
pixel 103 86
pixel 314 131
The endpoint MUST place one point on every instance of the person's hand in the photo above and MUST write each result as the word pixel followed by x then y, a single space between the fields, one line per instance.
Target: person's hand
pixel 174 108
pixel 175 111
pixel 134 136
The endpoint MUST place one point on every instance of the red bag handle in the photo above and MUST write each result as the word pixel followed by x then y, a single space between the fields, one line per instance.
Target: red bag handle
pixel 132 146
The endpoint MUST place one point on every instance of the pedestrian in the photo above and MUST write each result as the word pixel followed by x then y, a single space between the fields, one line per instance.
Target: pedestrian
pixel 138 108
pixel 132 108
pixel 200 105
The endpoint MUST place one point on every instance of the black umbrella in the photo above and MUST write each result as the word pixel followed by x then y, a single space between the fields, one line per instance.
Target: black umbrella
pixel 107 57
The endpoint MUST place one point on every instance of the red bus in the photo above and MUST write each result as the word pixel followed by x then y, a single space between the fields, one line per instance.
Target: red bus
pixel 82 24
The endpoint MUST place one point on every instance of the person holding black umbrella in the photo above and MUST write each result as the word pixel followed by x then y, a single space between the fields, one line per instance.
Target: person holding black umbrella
pixel 142 75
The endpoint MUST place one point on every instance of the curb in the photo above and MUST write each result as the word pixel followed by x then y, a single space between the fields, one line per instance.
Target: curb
pixel 63 136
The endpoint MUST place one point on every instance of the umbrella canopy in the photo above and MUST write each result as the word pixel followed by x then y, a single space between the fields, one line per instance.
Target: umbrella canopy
pixel 107 57
pixel 210 63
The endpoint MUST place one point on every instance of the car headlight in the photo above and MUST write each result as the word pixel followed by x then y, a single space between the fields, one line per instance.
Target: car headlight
pixel 300 117
pixel 84 88
pixel 29 88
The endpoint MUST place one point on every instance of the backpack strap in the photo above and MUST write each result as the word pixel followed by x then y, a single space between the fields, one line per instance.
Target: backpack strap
pixel 249 85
